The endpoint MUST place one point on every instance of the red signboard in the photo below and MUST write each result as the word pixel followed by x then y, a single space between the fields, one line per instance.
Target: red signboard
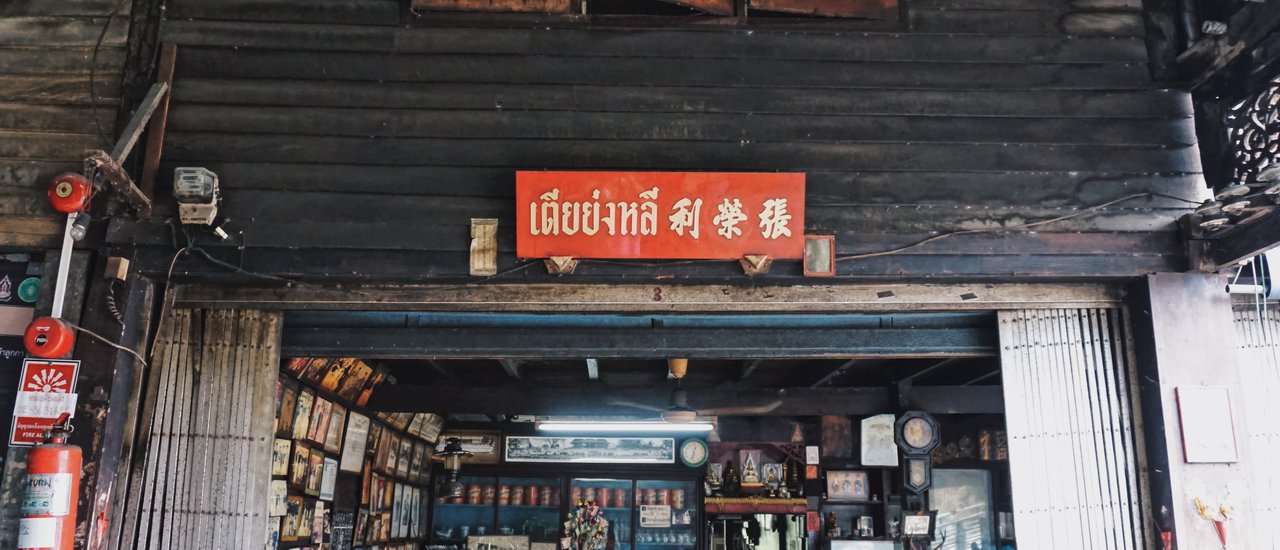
pixel 659 215
pixel 46 390
pixel 49 376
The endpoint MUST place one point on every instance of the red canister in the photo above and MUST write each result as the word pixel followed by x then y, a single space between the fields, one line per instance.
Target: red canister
pixel 531 498
pixel 487 494
pixel 544 496
pixel 650 497
pixel 662 496
pixel 504 495
pixel 517 495
pixel 473 494
pixel 575 495
pixel 620 497
pixel 677 499
pixel 604 497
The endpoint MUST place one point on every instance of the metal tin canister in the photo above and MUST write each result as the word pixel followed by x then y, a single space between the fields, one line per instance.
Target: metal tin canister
pixel 575 495
pixel 504 495
pixel 544 496
pixel 487 494
pixel 555 496
pixel 677 498
pixel 589 494
pixel 531 497
pixel 662 496
pixel 650 497
pixel 473 494
pixel 604 497
pixel 620 497
pixel 517 495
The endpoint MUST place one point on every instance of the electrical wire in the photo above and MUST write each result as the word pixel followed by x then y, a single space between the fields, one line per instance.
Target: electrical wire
pixel 112 306
pixel 1005 229
pixel 93 67
pixel 166 303
pixel 104 340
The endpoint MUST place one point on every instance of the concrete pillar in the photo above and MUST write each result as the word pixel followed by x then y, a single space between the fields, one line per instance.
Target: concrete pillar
pixel 1184 336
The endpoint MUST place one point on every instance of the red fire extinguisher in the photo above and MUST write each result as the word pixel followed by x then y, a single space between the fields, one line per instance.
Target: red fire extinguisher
pixel 52 492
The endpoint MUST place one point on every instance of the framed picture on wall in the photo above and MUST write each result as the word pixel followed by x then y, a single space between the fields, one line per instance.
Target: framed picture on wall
pixel 284 414
pixel 315 472
pixel 292 518
pixel 406 457
pixel 636 450
pixel 298 466
pixel 280 457
pixel 337 419
pixel 302 413
pixel 847 485
pixel 482 444
pixel 319 428
pixel 357 375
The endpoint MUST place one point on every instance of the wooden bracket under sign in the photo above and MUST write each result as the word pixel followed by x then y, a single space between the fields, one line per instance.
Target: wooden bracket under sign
pixel 560 265
pixel 755 264
pixel 484 247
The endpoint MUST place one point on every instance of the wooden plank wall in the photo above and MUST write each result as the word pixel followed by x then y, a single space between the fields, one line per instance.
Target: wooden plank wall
pixel 352 146
pixel 46 118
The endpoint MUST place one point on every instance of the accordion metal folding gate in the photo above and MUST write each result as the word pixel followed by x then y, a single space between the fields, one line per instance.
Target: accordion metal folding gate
pixel 1072 451
pixel 1258 337
pixel 202 475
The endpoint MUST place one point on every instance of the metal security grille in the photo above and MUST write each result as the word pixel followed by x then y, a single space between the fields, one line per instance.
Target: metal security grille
pixel 203 478
pixel 1259 340
pixel 1072 452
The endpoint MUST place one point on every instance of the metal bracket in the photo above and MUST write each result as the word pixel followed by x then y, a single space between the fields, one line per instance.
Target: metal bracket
pixel 108 165
pixel 560 265
pixel 755 264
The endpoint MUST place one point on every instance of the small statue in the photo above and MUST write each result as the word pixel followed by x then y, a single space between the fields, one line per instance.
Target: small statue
pixel 833 526
pixel 731 480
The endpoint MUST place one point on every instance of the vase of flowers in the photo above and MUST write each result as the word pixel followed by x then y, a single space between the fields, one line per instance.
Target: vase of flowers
pixel 585 528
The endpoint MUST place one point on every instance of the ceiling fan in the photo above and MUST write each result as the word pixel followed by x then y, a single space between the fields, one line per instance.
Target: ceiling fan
pixel 678 409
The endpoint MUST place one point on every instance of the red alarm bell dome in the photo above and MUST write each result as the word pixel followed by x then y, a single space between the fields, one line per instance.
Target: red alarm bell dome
pixel 49 338
pixel 70 192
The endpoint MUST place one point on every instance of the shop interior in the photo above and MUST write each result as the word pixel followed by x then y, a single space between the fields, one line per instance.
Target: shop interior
pixel 751 453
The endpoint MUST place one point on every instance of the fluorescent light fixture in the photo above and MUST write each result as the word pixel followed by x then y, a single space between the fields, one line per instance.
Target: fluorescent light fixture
pixel 653 426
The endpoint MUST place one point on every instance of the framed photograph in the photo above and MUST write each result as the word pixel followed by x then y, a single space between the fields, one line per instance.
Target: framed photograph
pixel 384 445
pixel 635 450
pixel 273 533
pixel 338 369
pixel 298 466
pixel 353 445
pixel 365 482
pixel 319 429
pixel 280 457
pixel 284 413
pixel 279 494
pixel 415 463
pixel 295 365
pixel 847 485
pixel 315 370
pixel 375 380
pixel 318 515
pixel 292 518
pixel 350 386
pixel 432 424
pixel 362 525
pixel 918 524
pixel 304 522
pixel 498 542
pixel 315 472
pixel 396 501
pixel 337 419
pixel 749 464
pixel 302 413
pixel 393 454
pixel 406 457
pixel 328 478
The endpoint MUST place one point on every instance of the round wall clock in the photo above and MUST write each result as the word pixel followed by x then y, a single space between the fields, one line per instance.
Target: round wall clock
pixel 693 452
pixel 917 433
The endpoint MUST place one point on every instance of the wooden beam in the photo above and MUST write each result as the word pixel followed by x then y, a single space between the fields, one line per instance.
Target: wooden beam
pixel 981 378
pixel 957 399
pixel 512 366
pixel 1239 243
pixel 543 298
pixel 118 179
pixel 834 373
pixel 156 128
pixel 582 399
pixel 157 94
pixel 930 368
pixel 440 369
pixel 1249 26
pixel 508 6
pixel 488 343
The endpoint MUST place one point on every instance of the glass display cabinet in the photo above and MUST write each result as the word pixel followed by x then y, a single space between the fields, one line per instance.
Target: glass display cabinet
pixel 643 514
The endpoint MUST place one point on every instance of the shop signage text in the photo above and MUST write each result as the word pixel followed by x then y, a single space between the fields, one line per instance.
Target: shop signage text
pixel 659 215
